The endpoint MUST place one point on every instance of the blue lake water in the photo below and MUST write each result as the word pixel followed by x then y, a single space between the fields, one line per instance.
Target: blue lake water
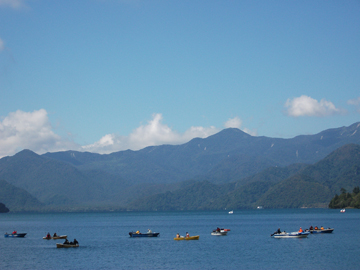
pixel 105 243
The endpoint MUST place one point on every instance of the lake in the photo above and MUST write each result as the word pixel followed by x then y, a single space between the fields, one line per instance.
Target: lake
pixel 105 242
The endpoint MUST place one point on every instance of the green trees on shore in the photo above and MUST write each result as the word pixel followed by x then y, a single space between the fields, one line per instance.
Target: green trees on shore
pixel 346 199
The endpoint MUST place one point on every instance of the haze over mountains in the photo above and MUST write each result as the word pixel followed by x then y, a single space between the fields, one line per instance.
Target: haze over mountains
pixel 230 169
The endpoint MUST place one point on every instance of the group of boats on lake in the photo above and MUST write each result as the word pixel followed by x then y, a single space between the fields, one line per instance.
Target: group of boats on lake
pixel 149 233
pixel 301 233
pixel 66 244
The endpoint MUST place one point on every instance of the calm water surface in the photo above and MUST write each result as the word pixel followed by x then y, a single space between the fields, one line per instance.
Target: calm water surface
pixel 105 243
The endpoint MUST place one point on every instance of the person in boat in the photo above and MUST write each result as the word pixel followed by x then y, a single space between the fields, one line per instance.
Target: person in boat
pixel 177 235
pixel 187 234
pixel 311 228
pixel 66 242
pixel 300 230
pixel 278 230
pixel 55 235
pixel 322 228
pixel 75 242
pixel 218 229
pixel 14 232
pixel 316 228
pixel 137 232
pixel 149 231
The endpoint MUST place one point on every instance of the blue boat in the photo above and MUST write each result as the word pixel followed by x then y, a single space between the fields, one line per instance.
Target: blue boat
pixel 148 234
pixel 15 234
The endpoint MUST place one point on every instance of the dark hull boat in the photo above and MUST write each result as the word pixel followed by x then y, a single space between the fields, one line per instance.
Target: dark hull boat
pixel 152 234
pixel 15 235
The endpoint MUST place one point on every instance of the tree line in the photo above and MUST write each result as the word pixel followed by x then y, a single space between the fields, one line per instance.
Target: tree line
pixel 346 199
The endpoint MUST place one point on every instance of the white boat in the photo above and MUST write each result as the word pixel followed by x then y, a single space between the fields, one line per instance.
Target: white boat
pixel 342 211
pixel 259 207
pixel 231 212
pixel 291 235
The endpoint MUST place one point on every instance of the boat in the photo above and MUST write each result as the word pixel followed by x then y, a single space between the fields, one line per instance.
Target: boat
pixel 55 237
pixel 148 234
pixel 231 212
pixel 342 211
pixel 59 245
pixel 60 237
pixel 328 230
pixel 259 207
pixel 220 232
pixel 196 237
pixel 15 234
pixel 291 235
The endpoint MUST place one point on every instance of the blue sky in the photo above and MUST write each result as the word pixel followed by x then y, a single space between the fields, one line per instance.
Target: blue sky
pixel 111 75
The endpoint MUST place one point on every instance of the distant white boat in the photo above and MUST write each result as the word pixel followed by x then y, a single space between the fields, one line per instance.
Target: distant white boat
pixel 259 207
pixel 342 211
pixel 231 212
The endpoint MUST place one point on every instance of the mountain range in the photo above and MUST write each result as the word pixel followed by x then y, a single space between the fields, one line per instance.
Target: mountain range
pixel 230 169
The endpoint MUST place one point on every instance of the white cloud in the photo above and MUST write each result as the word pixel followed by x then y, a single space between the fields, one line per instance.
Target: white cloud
pixel 307 106
pixel 15 4
pixel 29 130
pixel 153 133
pixel 33 130
pixel 235 122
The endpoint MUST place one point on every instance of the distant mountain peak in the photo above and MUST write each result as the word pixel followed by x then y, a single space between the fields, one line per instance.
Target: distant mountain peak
pixel 26 153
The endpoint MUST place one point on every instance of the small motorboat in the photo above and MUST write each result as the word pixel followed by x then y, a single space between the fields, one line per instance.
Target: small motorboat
pixel 55 237
pixel 328 230
pixel 231 212
pixel 59 245
pixel 291 235
pixel 342 211
pixel 196 237
pixel 220 232
pixel 15 234
pixel 148 234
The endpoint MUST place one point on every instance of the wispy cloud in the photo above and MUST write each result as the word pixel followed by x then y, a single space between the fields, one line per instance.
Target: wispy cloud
pixel 236 122
pixel 14 4
pixel 355 102
pixel 307 106
pixel 2 45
